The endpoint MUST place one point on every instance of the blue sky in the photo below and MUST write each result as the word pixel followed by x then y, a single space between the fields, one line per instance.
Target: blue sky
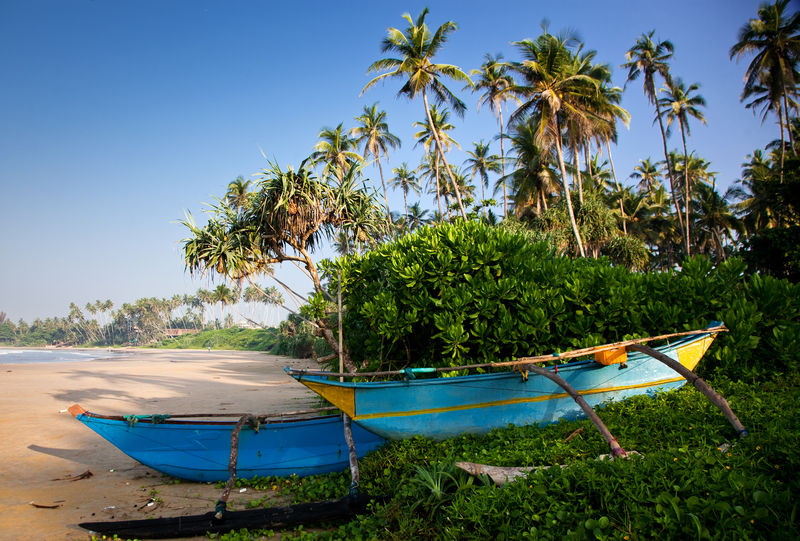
pixel 116 117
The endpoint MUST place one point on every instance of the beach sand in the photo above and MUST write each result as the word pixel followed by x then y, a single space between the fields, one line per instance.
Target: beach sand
pixel 41 443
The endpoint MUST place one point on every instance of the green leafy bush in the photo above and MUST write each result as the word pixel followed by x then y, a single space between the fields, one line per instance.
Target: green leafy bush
pixel 466 293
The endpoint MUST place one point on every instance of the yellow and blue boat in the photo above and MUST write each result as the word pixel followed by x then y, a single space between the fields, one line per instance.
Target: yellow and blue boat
pixel 445 407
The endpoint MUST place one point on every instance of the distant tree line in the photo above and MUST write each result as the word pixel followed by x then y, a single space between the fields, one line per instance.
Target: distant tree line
pixel 147 319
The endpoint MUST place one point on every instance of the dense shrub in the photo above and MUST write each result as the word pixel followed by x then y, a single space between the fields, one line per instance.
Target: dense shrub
pixel 466 293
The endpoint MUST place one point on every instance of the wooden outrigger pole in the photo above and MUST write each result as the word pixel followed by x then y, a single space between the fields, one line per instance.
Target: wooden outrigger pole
pixel 348 432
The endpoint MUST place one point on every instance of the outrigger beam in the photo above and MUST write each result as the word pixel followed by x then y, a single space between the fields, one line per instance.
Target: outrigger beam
pixel 699 384
pixel 616 449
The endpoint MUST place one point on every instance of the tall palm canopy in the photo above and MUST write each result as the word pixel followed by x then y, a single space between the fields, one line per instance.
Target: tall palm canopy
pixel 415 48
pixel 680 103
pixel 495 81
pixel 648 59
pixel 774 40
pixel 373 133
pixel 557 89
pixel 337 149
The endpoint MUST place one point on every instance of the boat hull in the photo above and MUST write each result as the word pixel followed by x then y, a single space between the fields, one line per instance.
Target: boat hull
pixel 199 451
pixel 446 407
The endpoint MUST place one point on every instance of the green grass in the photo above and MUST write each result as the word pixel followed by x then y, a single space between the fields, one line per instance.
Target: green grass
pixel 233 339
pixel 683 488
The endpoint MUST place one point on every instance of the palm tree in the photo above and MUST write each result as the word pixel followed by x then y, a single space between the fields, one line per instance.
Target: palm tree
pixel 435 129
pixel 495 81
pixel 481 163
pixel 555 88
pixel 648 58
pixel 533 180
pixel 337 150
pixel 238 192
pixel 417 217
pixel 373 132
pixel 416 47
pixel 774 38
pixel 715 220
pixel 680 103
pixel 648 174
pixel 405 179
pixel 755 205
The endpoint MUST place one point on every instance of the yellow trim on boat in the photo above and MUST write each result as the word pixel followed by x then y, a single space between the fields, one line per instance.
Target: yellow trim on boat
pixel 690 354
pixel 541 398
pixel 341 397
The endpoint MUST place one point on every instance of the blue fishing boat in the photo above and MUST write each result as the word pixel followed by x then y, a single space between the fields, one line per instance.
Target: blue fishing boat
pixel 445 407
pixel 200 450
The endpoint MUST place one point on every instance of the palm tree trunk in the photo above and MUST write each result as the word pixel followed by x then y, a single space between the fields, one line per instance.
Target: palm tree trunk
pixel 438 184
pixel 686 189
pixel 566 191
pixel 788 126
pixel 619 188
pixel 578 180
pixel 441 153
pixel 783 146
pixel 503 164
pixel 383 183
pixel 669 165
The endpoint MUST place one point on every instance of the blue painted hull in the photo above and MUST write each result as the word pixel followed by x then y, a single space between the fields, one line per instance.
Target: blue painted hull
pixel 200 451
pixel 446 407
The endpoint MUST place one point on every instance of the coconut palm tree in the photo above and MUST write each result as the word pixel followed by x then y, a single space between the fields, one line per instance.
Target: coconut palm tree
pixel 405 179
pixel 533 180
pixel 337 149
pixel 648 58
pixel 681 102
pixel 774 39
pixel 553 86
pixel 482 163
pixel 373 133
pixel 495 80
pixel 417 217
pixel 416 46
pixel 647 174
pixel 238 192
pixel 715 220
pixel 435 128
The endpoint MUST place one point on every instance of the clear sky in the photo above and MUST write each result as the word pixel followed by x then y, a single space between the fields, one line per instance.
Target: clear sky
pixel 116 117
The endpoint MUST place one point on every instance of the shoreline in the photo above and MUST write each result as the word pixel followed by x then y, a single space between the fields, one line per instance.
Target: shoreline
pixel 43 446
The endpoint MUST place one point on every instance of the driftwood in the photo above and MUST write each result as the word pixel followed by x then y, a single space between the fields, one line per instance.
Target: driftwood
pixel 501 475
pixel 699 384
pixel 196 525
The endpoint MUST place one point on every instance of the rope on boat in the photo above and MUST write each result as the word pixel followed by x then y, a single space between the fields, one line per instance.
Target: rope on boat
pixel 161 418
pixel 222 503
pixel 410 373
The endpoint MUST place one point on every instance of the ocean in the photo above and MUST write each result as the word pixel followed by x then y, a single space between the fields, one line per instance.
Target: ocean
pixel 32 356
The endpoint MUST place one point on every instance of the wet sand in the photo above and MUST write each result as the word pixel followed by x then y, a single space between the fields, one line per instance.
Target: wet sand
pixel 41 443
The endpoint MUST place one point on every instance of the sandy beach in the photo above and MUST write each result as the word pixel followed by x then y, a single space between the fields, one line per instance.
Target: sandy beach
pixel 41 443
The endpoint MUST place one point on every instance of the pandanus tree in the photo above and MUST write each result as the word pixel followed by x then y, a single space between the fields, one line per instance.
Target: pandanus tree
pixel 681 102
pixel 415 48
pixel 774 40
pixel 290 213
pixel 495 81
pixel 553 87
